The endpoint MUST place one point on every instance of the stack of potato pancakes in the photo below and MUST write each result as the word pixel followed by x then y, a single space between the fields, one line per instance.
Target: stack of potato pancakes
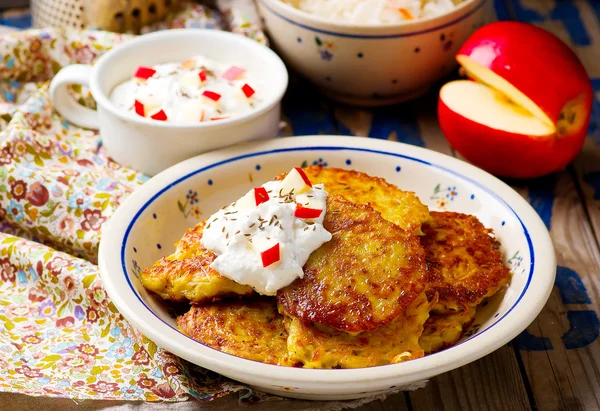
pixel 395 283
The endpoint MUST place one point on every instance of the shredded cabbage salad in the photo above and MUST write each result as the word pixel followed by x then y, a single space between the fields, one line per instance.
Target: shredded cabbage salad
pixel 374 11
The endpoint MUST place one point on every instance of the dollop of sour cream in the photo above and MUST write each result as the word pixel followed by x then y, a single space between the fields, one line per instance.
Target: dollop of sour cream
pixel 241 236
pixel 192 91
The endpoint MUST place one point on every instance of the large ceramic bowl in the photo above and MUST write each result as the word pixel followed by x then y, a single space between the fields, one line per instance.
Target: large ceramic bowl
pixel 146 226
pixel 371 64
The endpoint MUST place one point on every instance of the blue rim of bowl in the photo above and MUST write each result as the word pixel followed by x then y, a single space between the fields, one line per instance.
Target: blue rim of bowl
pixel 323 148
pixel 375 37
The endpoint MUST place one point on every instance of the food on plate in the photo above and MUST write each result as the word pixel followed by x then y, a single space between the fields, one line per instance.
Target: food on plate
pixel 374 11
pixel 264 238
pixel 527 112
pixel 192 91
pixel 402 208
pixel 186 274
pixel 330 268
pixel 464 266
pixel 250 329
pixel 314 345
pixel 368 274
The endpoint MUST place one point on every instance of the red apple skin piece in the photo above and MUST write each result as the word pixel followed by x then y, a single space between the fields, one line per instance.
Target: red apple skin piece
pixel 533 60
pixel 504 153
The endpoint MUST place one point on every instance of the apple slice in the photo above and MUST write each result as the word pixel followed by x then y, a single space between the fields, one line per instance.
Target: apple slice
pixel 528 111
pixel 253 198
pixel 296 180
pixel 268 249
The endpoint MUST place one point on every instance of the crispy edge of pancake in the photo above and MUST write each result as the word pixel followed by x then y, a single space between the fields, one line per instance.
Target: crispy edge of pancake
pixel 186 274
pixel 402 208
pixel 464 262
pixel 316 346
pixel 368 274
pixel 443 331
pixel 251 329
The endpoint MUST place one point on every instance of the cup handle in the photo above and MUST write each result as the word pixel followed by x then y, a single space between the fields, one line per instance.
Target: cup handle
pixel 64 103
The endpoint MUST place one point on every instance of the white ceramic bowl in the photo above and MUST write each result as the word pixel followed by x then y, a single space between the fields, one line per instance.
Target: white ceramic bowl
pixel 371 64
pixel 146 226
pixel 151 146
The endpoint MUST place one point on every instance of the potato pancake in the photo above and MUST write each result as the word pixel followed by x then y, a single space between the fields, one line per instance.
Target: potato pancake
pixel 251 329
pixel 444 330
pixel 402 208
pixel 464 266
pixel 186 274
pixel 318 346
pixel 368 274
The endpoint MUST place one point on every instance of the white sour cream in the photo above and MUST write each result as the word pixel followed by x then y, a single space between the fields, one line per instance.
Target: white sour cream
pixel 233 234
pixel 177 89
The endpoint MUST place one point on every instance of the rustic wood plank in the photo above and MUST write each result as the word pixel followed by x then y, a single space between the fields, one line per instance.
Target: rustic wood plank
pixel 396 402
pixel 492 383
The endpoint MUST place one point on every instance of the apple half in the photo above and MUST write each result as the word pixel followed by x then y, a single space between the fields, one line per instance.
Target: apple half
pixel 525 110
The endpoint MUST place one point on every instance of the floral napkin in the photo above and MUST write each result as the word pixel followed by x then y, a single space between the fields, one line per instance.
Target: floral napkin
pixel 59 333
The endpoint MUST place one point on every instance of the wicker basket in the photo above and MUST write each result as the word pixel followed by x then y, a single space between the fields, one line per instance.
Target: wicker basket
pixel 112 15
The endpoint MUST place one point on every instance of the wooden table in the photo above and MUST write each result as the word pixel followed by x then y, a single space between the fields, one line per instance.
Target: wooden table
pixel 555 363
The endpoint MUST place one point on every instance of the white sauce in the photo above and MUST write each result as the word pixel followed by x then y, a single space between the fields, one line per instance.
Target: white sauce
pixel 170 89
pixel 237 257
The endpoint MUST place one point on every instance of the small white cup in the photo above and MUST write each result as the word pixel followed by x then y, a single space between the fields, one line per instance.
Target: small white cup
pixel 151 146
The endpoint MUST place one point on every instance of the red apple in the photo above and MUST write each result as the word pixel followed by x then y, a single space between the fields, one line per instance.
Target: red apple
pixel 527 112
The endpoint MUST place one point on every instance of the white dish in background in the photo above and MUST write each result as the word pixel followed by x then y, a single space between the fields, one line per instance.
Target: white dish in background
pixel 370 65
pixel 148 145
pixel 148 223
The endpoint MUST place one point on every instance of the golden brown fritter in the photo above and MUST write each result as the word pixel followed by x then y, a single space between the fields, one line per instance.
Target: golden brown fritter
pixel 186 274
pixel 251 329
pixel 444 330
pixel 464 266
pixel 317 346
pixel 368 274
pixel 464 263
pixel 402 208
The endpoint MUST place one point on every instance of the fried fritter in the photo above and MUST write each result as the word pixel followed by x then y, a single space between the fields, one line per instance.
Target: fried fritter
pixel 317 346
pixel 444 330
pixel 251 329
pixel 186 274
pixel 369 273
pixel 402 208
pixel 464 266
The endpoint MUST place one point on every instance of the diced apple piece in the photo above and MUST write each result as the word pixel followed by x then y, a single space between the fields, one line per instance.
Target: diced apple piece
pixel 144 104
pixel 202 75
pixel 188 64
pixel 233 73
pixel 253 198
pixel 307 212
pixel 158 114
pixel 296 180
pixel 247 90
pixel 211 97
pixel 268 249
pixel 190 80
pixel 144 72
